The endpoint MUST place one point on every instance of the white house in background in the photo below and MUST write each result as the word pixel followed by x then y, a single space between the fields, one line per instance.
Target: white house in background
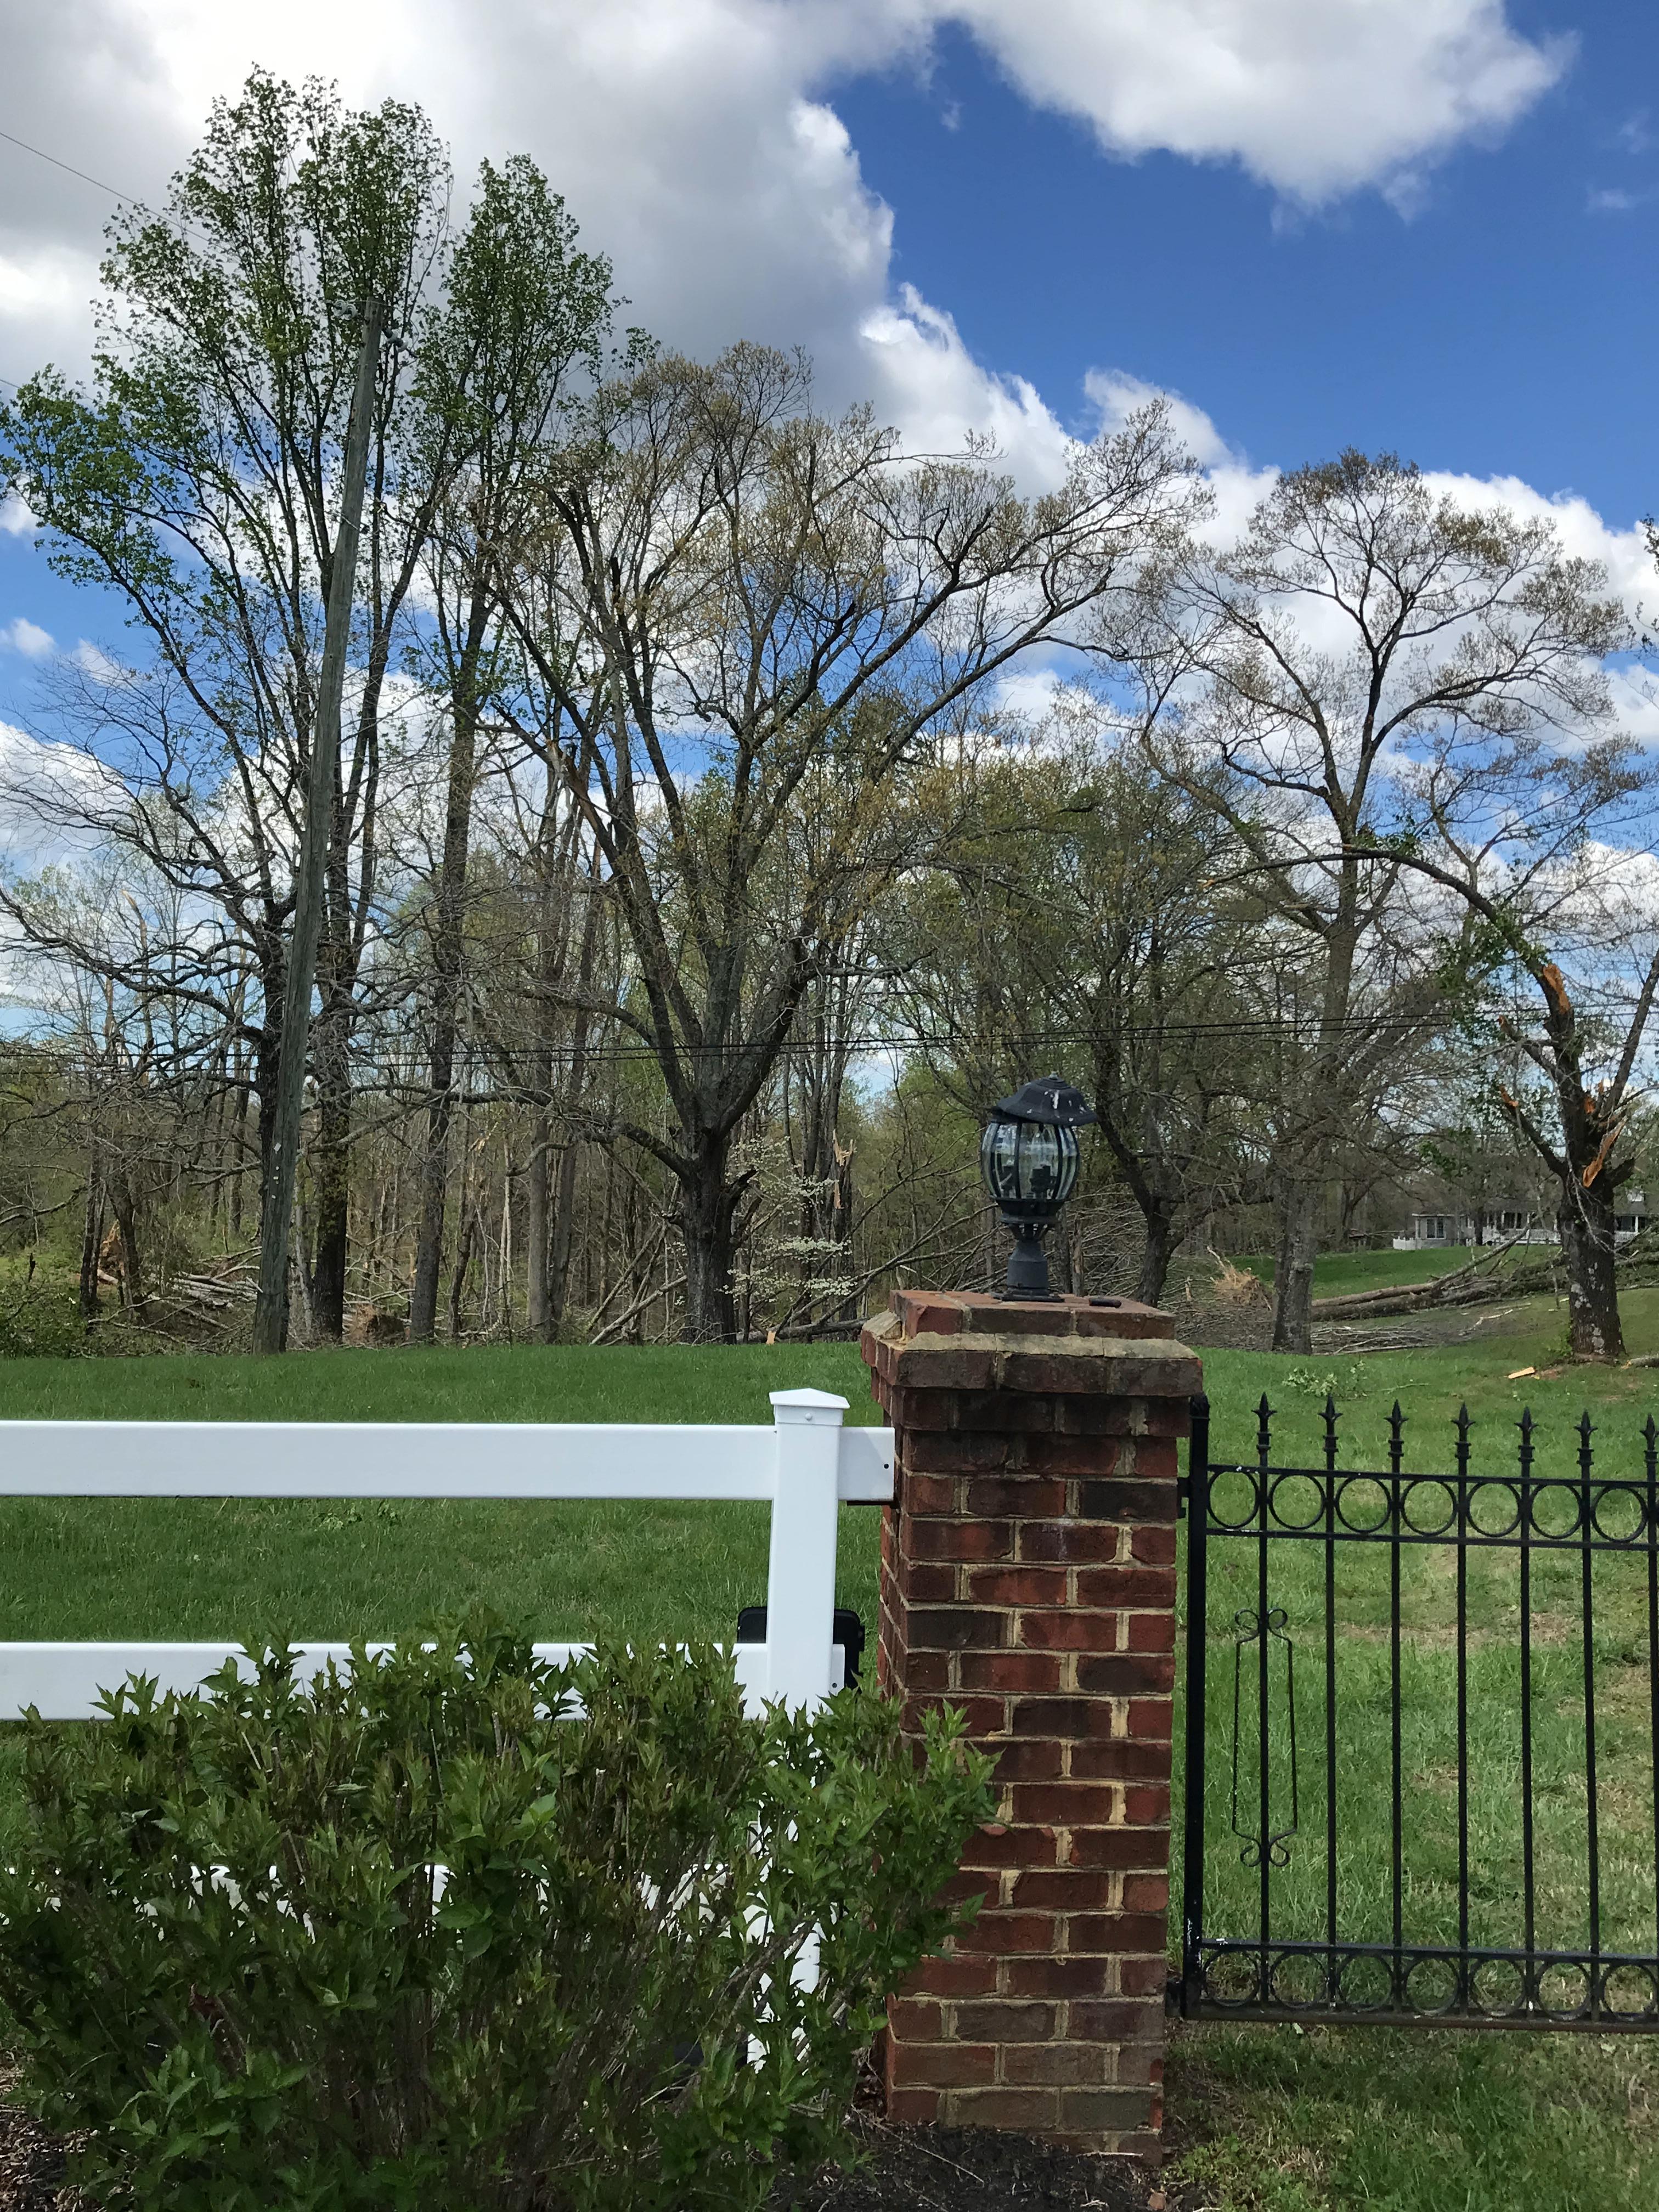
pixel 1508 1223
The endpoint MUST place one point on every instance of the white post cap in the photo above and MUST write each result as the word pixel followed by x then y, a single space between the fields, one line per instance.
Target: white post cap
pixel 812 1409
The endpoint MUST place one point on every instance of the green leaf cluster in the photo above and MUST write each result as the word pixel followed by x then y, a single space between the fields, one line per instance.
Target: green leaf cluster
pixel 459 1927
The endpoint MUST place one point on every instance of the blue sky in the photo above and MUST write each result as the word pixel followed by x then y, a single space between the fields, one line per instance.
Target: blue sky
pixel 1509 326
pixel 1473 288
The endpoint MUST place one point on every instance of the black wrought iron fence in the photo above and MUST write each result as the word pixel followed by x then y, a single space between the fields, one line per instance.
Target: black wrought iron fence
pixel 1428 1788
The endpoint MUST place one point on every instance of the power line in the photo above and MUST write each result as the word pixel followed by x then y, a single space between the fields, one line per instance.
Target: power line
pixel 115 191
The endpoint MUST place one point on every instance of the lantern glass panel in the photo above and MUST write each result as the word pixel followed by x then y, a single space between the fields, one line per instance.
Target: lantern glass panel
pixel 1030 1163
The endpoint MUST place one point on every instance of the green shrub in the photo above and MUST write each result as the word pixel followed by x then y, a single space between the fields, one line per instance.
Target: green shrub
pixel 228 1957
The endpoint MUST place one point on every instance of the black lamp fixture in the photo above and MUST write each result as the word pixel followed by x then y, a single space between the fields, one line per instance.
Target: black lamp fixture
pixel 1029 1154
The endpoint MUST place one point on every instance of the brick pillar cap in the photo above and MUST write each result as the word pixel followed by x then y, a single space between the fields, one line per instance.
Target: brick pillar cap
pixel 976 1313
pixel 1059 1359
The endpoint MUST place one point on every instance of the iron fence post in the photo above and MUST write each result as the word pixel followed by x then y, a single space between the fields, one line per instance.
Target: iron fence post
pixel 1192 1876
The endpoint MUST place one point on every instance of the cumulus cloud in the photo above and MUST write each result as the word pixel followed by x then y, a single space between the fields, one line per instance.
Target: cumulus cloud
pixel 697 143
pixel 940 394
pixel 22 636
pixel 1314 97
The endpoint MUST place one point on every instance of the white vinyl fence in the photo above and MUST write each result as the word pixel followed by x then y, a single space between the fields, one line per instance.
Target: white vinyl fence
pixel 804 1466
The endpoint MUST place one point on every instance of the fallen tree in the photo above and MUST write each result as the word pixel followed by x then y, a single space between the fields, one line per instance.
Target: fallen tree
pixel 1485 1278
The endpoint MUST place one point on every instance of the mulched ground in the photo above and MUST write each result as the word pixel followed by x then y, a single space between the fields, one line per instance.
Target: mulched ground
pixel 901 2170
pixel 969 2170
pixel 32 2166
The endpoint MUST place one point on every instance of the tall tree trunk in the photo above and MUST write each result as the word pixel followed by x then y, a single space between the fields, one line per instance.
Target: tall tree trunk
pixel 708 1206
pixel 1299 1247
pixel 132 1271
pixel 447 949
pixel 1588 1247
pixel 330 1163
pixel 1162 1237
pixel 92 1237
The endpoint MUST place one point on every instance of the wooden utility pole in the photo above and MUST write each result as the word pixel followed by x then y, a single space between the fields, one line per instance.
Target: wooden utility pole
pixel 270 1308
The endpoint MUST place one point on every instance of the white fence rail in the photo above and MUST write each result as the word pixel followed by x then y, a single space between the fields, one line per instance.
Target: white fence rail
pixel 804 1465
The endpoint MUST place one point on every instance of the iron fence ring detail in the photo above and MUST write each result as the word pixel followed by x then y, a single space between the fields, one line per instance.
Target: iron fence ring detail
pixel 1506 1489
pixel 1418 1485
pixel 1316 1484
pixel 1641 1532
pixel 1557 1492
pixel 1347 1486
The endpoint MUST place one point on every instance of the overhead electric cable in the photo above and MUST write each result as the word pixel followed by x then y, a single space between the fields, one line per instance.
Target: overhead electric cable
pixel 115 191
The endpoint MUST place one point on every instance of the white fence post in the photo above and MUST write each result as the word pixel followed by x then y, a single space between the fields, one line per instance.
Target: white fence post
pixel 801 1580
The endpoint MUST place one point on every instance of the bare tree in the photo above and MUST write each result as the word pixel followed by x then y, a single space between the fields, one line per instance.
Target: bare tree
pixel 1360 616
pixel 729 593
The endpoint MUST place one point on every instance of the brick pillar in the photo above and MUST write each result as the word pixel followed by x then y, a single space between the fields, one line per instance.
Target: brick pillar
pixel 1028 1577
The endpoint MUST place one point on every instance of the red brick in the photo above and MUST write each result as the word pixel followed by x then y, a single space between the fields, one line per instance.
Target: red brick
pixel 1064 1889
pixel 1142 2065
pixel 1026 1762
pixel 1119 1760
pixel 1139 1977
pixel 960 1628
pixel 1016 1672
pixel 1004 1933
pixel 1150 1719
pixel 1146 1806
pixel 927 1493
pixel 916 2020
pixel 985 1718
pixel 1019 1585
pixel 1146 1848
pixel 957 1540
pixel 960 1366
pixel 1119 1498
pixel 957 1454
pixel 924 1674
pixel 987 1412
pixel 1012 1847
pixel 1124 1674
pixel 1143 1892
pixel 950 2065
pixel 1104 2110
pixel 922 1313
pixel 958 1974
pixel 1117 2020
pixel 1072 1631
pixel 1077 1718
pixel 1152 1632
pixel 1023 1497
pixel 1056 1977
pixel 913 2108
pixel 926 1582
pixel 1157 1546
pixel 1156 1457
pixel 1152 1587
pixel 1094 1456
pixel 1117 1931
pixel 1069 2064
pixel 1032 2111
pixel 1063 1804
pixel 1067 1540
pixel 1003 2021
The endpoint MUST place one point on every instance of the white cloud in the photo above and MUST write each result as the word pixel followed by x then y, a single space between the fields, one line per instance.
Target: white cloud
pixel 939 393
pixel 15 519
pixel 1315 97
pixel 1583 532
pixel 22 636
pixel 92 660
pixel 1616 201
pixel 695 140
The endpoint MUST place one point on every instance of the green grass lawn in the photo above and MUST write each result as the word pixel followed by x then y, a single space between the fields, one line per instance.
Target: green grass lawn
pixel 1268 2120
